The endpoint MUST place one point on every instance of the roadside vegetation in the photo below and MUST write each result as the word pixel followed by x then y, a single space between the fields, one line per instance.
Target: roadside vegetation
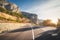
pixel 18 15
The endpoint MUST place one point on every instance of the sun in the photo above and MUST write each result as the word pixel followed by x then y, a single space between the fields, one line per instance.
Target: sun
pixel 54 21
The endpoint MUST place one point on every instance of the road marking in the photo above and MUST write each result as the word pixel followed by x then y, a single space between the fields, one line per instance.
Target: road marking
pixel 32 33
pixel 55 34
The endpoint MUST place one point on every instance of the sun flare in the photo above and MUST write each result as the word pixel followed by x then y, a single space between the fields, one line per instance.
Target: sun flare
pixel 54 21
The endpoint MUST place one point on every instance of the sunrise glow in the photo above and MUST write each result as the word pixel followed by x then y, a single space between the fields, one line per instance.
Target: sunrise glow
pixel 54 21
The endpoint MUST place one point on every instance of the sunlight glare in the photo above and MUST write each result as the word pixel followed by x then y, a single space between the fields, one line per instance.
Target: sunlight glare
pixel 54 21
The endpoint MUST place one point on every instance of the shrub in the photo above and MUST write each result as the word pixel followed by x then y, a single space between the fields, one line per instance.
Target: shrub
pixel 2 9
pixel 1 18
pixel 18 15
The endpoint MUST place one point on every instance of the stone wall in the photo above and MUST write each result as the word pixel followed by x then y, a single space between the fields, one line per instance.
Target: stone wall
pixel 11 26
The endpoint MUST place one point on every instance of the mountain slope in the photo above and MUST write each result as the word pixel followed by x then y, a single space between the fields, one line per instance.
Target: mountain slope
pixel 8 16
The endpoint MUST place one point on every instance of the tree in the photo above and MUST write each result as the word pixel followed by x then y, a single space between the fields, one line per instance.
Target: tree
pixel 48 22
pixel 58 24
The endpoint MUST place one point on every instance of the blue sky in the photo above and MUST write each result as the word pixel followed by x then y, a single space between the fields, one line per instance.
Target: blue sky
pixel 27 4
pixel 45 9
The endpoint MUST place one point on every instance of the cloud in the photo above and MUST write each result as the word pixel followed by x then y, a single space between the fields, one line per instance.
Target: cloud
pixel 50 9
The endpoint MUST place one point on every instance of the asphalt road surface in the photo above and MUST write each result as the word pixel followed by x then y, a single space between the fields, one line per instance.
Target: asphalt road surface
pixel 25 33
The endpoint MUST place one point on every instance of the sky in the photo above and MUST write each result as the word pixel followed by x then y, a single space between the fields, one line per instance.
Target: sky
pixel 45 9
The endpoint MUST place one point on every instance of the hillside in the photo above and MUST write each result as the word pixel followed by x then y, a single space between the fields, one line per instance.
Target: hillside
pixel 10 13
pixel 8 16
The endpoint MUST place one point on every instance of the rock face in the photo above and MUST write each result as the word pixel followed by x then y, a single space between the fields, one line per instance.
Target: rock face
pixel 9 6
pixel 32 17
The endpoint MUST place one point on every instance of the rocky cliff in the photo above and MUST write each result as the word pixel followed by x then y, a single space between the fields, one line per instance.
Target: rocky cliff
pixel 9 12
pixel 32 17
pixel 9 6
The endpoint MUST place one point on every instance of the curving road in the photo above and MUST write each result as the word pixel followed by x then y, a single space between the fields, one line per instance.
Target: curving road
pixel 24 33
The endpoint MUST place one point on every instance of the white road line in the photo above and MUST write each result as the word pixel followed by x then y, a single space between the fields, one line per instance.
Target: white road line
pixel 32 33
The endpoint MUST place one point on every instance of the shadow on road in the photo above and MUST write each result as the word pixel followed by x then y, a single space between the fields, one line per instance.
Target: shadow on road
pixel 25 29
pixel 48 35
